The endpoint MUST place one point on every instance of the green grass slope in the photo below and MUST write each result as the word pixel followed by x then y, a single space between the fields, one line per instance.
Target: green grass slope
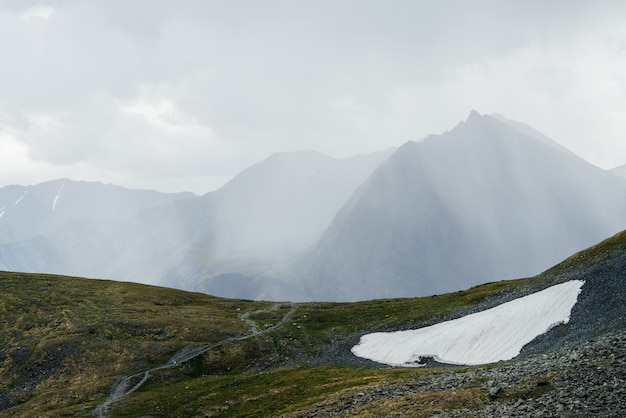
pixel 65 342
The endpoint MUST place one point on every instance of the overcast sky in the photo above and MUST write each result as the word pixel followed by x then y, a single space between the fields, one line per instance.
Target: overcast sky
pixel 182 95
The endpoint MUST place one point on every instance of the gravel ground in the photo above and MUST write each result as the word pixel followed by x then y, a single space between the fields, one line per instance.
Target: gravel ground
pixel 582 380
pixel 590 381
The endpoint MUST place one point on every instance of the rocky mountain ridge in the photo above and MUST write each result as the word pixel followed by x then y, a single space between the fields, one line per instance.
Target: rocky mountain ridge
pixel 490 199
pixel 30 211
pixel 483 201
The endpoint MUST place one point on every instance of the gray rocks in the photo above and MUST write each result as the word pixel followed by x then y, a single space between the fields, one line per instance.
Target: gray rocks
pixel 495 392
pixel 588 379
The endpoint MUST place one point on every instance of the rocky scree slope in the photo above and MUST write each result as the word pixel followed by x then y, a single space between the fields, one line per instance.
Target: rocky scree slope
pixel 588 379
pixel 574 370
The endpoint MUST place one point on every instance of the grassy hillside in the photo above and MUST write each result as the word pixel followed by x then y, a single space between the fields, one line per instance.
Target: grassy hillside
pixel 65 341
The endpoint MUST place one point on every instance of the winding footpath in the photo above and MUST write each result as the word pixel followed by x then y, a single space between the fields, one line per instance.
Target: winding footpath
pixel 131 383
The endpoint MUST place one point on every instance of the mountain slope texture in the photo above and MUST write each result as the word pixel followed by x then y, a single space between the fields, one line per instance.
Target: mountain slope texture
pixel 490 199
pixel 487 200
pixel 30 211
pixel 218 243
pixel 620 171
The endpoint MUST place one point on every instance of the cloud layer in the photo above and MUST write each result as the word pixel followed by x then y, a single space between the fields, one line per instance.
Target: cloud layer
pixel 183 95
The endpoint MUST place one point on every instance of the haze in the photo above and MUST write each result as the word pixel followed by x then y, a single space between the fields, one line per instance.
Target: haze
pixel 184 95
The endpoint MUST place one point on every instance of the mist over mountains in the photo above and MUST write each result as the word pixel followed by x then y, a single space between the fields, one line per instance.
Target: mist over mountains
pixel 620 171
pixel 275 208
pixel 282 205
pixel 484 201
pixel 30 211
pixel 489 200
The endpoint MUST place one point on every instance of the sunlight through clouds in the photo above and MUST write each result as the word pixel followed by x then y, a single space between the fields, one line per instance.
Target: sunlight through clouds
pixel 40 11
pixel 165 116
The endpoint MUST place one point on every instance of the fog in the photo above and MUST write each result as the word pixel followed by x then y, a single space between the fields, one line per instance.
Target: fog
pixel 490 199
pixel 184 95
pixel 485 201
pixel 282 205
pixel 30 211
pixel 262 218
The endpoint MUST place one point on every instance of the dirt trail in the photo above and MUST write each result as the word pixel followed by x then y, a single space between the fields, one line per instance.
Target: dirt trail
pixel 131 383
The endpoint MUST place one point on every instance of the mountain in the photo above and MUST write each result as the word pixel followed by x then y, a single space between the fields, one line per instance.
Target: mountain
pixel 489 199
pixel 78 347
pixel 282 204
pixel 217 243
pixel 620 171
pixel 263 217
pixel 30 211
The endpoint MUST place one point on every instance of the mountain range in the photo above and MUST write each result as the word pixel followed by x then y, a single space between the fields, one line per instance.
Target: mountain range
pixel 30 211
pixel 620 171
pixel 490 199
pixel 275 208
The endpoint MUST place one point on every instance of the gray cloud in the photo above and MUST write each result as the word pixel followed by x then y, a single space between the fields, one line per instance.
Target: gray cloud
pixel 243 79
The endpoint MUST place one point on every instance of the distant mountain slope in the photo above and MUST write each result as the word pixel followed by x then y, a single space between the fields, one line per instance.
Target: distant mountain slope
pixel 620 171
pixel 491 199
pixel 264 215
pixel 218 243
pixel 282 204
pixel 483 201
pixel 532 132
pixel 29 211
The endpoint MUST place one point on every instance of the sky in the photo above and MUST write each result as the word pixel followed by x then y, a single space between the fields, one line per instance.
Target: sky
pixel 183 95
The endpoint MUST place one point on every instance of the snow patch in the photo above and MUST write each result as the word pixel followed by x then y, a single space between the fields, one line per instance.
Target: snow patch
pixel 484 337
pixel 21 197
pixel 56 198
pixel 1 213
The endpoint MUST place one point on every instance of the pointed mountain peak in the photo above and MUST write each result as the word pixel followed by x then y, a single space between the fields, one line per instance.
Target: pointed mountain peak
pixel 475 119
pixel 473 115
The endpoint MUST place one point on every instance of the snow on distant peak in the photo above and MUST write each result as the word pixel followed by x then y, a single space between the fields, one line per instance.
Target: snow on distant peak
pixel 56 198
pixel 484 337
pixel 21 197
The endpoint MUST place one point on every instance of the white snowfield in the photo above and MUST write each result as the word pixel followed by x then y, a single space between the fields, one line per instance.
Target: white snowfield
pixel 484 337
pixel 56 198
